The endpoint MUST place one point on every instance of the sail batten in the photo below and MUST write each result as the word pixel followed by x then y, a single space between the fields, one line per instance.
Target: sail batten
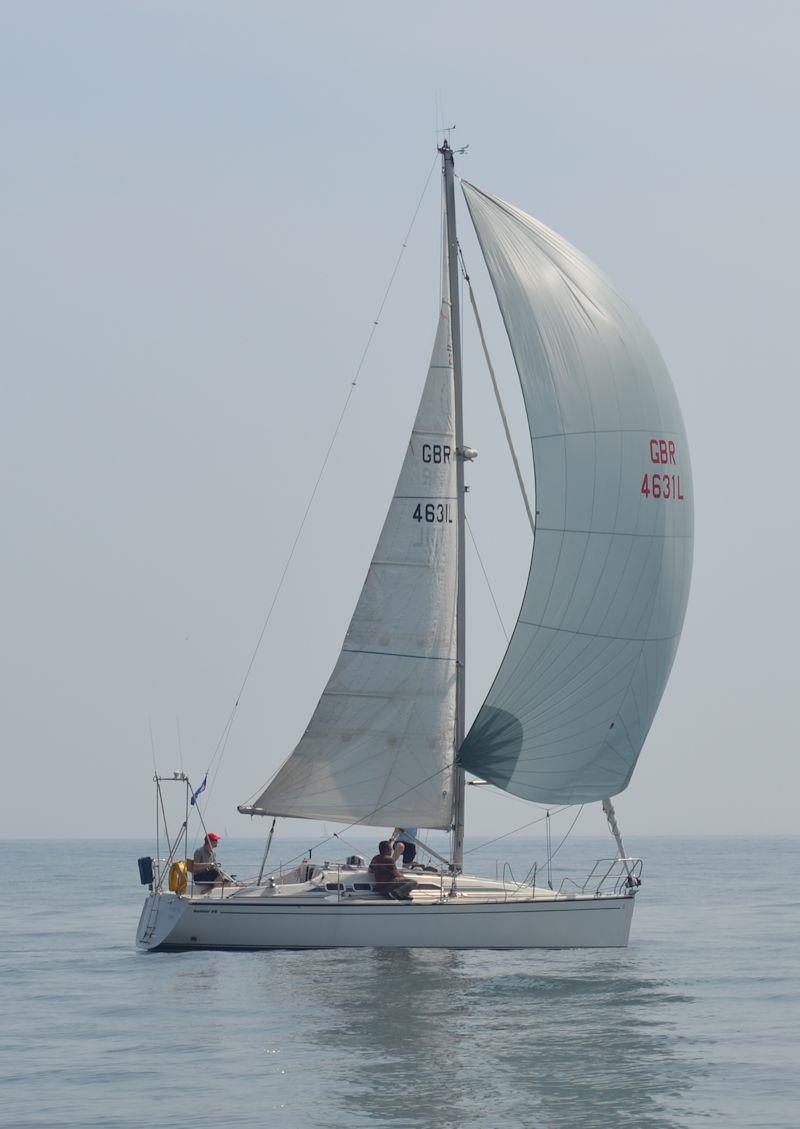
pixel 577 690
pixel 379 748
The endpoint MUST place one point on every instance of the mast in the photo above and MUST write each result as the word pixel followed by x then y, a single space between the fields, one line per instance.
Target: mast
pixel 455 331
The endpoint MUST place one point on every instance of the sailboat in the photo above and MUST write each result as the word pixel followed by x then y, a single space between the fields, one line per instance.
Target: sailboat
pixel 576 692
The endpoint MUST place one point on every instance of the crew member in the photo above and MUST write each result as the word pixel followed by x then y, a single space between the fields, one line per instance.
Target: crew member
pixel 403 839
pixel 386 878
pixel 207 873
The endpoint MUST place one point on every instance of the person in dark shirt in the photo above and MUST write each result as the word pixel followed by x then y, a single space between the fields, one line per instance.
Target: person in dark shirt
pixel 386 878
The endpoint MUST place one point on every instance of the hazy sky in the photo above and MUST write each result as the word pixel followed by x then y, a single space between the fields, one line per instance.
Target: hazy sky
pixel 201 206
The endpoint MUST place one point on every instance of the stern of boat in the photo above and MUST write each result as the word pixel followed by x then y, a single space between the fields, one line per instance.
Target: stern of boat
pixel 160 915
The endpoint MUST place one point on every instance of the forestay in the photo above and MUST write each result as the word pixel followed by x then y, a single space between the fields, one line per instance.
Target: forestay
pixel 379 746
pixel 588 660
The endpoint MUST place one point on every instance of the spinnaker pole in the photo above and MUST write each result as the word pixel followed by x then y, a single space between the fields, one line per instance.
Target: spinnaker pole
pixel 455 333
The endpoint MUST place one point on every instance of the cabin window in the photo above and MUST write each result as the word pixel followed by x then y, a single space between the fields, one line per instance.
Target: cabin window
pixel 334 886
pixel 361 886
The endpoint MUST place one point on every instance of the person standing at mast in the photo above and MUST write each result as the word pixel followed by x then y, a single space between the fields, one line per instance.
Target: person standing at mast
pixel 403 841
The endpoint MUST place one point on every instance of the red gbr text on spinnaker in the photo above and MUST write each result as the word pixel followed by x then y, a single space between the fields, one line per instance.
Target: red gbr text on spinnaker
pixel 665 483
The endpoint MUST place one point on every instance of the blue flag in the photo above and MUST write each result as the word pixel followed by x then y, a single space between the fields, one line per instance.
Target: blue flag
pixel 200 790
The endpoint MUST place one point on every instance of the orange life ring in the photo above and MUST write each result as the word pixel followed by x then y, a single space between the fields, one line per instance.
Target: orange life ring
pixel 178 877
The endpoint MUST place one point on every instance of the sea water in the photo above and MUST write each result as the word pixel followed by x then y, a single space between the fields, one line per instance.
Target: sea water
pixel 697 1023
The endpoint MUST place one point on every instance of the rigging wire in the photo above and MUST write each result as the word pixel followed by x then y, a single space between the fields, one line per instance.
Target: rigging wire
pixel 160 795
pixel 524 827
pixel 222 743
pixel 364 818
pixel 152 745
pixel 183 830
pixel 531 823
pixel 568 833
pixel 486 577
pixel 339 835
pixel 551 855
pixel 496 388
pixel 224 737
pixel 180 743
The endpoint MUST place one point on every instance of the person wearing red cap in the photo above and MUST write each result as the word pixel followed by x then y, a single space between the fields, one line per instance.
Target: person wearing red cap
pixel 207 873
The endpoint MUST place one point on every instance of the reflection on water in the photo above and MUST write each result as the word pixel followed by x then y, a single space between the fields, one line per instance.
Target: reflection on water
pixel 685 1028
pixel 457 1039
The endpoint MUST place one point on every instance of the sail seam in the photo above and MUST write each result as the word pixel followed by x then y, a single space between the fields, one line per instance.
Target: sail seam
pixel 609 431
pixel 545 698
pixel 368 695
pixel 616 533
pixel 552 706
pixel 396 655
pixel 573 632
pixel 400 564
pixel 599 635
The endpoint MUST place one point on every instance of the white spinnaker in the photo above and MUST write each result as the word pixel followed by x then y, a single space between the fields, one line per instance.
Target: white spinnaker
pixel 576 693
pixel 379 746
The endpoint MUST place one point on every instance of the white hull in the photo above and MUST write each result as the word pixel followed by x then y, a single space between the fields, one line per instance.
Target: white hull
pixel 258 919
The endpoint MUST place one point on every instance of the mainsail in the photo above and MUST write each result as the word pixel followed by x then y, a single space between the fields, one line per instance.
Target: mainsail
pixel 379 746
pixel 576 693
